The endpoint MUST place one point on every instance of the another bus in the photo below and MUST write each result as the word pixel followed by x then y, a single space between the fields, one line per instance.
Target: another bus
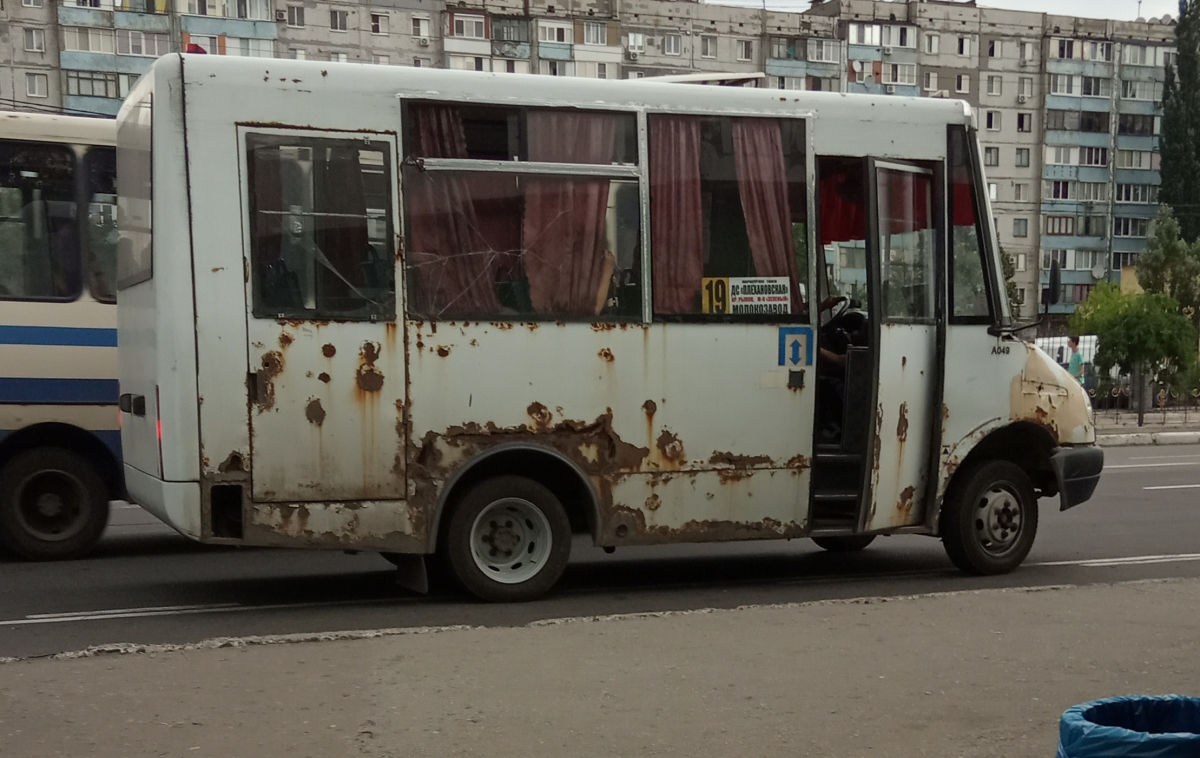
pixel 60 455
pixel 468 315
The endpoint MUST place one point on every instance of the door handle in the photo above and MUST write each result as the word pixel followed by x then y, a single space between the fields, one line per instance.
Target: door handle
pixel 135 404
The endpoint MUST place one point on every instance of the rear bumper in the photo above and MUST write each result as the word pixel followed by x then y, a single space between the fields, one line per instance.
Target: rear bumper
pixel 1077 471
pixel 176 504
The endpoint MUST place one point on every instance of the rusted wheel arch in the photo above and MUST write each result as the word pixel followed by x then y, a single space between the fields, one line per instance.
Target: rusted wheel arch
pixel 546 465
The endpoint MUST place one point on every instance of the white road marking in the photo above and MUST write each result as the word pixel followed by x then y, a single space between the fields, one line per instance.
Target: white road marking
pixel 1149 465
pixel 1173 487
pixel 1159 457
pixel 188 610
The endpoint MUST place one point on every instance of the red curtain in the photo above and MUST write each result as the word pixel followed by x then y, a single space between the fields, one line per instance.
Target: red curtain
pixel 907 208
pixel 762 186
pixel 675 213
pixel 842 201
pixel 567 265
pixel 453 263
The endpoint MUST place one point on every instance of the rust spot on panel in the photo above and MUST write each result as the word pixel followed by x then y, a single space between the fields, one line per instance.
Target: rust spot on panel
pixel 945 412
pixel 629 525
pixel 739 461
pixel 232 464
pixel 606 354
pixel 670 448
pixel 443 350
pixel 906 499
pixel 798 463
pixel 328 350
pixel 541 415
pixel 272 366
pixel 903 361
pixel 285 339
pixel 474 343
pixel 314 412
pixel 653 502
pixel 503 326
pixel 323 377
pixel 218 268
pixel 902 423
pixel 369 378
pixel 650 407
pixel 369 352
pixel 603 327
pixel 730 475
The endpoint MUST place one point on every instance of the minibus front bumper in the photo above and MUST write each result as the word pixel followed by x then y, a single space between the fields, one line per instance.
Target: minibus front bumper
pixel 1077 472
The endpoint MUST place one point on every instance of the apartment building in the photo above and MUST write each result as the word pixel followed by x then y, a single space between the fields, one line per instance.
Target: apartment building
pixel 1068 108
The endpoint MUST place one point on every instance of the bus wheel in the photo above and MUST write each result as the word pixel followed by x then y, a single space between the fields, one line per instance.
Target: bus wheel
pixel 989 518
pixel 850 543
pixel 53 505
pixel 508 539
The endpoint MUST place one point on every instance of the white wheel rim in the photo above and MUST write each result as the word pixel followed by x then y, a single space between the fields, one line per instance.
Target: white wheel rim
pixel 999 520
pixel 511 540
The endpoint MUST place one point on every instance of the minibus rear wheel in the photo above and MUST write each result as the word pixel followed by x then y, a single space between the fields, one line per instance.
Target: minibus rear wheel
pixel 53 505
pixel 508 539
pixel 849 543
pixel 989 518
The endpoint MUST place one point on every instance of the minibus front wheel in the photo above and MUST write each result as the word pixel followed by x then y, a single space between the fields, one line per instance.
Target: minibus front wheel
pixel 508 539
pixel 989 517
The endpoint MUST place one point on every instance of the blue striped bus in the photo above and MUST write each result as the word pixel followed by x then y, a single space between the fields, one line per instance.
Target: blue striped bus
pixel 60 455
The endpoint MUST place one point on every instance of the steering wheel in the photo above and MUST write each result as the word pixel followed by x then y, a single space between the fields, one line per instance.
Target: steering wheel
pixel 840 305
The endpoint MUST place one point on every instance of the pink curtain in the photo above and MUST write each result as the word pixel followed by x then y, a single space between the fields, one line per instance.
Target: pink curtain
pixel 453 262
pixel 762 186
pixel 567 265
pixel 675 213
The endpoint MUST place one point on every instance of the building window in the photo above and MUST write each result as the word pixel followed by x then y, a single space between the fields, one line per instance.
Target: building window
pixel 422 62
pixel 550 31
pixel 32 3
pixel 964 46
pixel 1137 193
pixel 338 57
pixel 1098 51
pixel 379 60
pixel 595 33
pixel 295 15
pixel 1130 227
pixel 1060 190
pixel 131 42
pixel 1064 47
pixel 994 85
pixel 1025 87
pixel 865 34
pixel 635 42
pixel 338 20
pixel 672 44
pixel 1025 51
pixel 1020 191
pixel 1093 156
pixel 991 156
pixel 1060 156
pixel 1020 227
pixel 37 85
pixel 745 50
pixel 297 53
pixel 88 40
pixel 1019 261
pixel 1090 121
pixel 1134 55
pixel 1024 122
pixel 1134 159
pixel 1091 226
pixel 420 27
pixel 1093 191
pixel 1022 158
pixel 993 194
pixel 555 68
pixel 1062 84
pixel 379 23
pixel 1135 90
pixel 992 119
pixel 1060 225
pixel 899 36
pixel 931 43
pixel 823 51
pixel 92 84
pixel 1020 299
pixel 470 27
pixel 1050 257
pixel 900 73
pixel 790 82
pixel 1096 86
pixel 35 40
pixel 708 46
pixel 511 30
pixel 962 83
pixel 931 81
pixel 994 49
pixel 1137 125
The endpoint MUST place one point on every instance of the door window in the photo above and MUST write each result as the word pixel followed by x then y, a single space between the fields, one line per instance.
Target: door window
pixel 907 242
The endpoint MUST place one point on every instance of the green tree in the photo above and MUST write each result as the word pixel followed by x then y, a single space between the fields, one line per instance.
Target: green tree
pixel 1179 142
pixel 1170 266
pixel 1142 334
pixel 1009 269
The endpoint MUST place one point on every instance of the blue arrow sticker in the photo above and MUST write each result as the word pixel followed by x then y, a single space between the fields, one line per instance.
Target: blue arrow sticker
pixel 795 346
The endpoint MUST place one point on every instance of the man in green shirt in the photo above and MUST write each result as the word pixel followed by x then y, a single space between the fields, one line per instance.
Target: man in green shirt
pixel 1075 366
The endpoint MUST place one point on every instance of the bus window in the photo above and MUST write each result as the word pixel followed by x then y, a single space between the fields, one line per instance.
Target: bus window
pixel 843 228
pixel 38 222
pixel 321 228
pixel 100 237
pixel 968 280
pixel 727 204
pixel 907 243
pixel 537 243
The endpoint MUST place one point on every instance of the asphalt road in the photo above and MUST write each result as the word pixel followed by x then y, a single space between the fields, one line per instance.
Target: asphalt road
pixel 145 584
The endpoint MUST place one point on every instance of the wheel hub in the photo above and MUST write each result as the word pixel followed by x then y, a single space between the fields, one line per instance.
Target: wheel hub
pixel 511 540
pixel 51 505
pixel 998 520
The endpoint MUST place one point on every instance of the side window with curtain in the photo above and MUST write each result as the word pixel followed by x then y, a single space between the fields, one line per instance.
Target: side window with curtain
pixel 553 235
pixel 39 222
pixel 968 280
pixel 321 236
pixel 728 217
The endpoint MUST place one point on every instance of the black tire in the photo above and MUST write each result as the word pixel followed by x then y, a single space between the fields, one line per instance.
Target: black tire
pixel 53 505
pixel 850 543
pixel 520 565
pixel 989 518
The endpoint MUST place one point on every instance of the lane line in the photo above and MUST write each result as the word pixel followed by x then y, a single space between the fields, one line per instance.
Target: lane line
pixel 1173 487
pixel 190 610
pixel 1159 457
pixel 1149 465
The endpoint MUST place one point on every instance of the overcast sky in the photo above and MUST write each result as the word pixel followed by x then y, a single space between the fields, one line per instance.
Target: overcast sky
pixel 1119 9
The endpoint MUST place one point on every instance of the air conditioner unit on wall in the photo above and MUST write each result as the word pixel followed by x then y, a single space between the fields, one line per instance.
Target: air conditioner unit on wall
pixel 887 50
pixel 1023 62
pixel 633 56
pixel 281 16
pixel 423 42
pixel 1020 98
pixel 890 89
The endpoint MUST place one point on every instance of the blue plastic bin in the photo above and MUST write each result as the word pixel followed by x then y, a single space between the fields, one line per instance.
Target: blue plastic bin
pixel 1138 726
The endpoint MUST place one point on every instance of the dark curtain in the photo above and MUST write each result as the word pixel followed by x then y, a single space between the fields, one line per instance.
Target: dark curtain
pixel 908 202
pixel 453 264
pixel 342 238
pixel 841 204
pixel 762 185
pixel 675 212
pixel 566 262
